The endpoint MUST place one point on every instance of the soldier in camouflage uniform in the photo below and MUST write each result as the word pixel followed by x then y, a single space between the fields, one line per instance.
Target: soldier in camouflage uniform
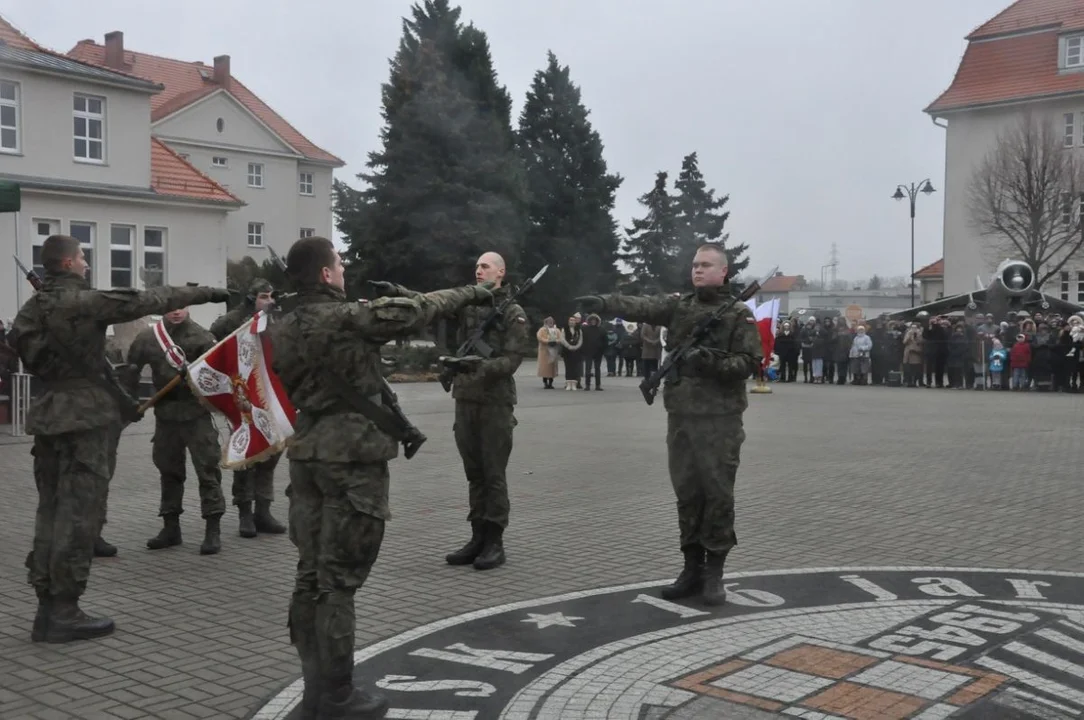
pixel 181 423
pixel 60 336
pixel 327 355
pixel 704 405
pixel 485 395
pixel 255 483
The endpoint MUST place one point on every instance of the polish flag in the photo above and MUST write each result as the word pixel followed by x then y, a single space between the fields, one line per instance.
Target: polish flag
pixel 766 314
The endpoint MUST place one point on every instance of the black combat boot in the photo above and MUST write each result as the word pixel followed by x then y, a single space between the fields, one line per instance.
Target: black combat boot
pixel 169 535
pixel 67 622
pixel 264 521
pixel 714 593
pixel 342 700
pixel 246 525
pixel 41 620
pixel 103 549
pixel 466 554
pixel 212 538
pixel 492 554
pixel 691 580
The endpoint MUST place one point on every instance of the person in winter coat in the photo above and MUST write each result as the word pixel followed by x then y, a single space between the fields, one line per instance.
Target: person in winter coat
pixel 913 354
pixel 935 352
pixel 1043 346
pixel 841 351
pixel 786 347
pixel 860 351
pixel 650 349
pixel 549 352
pixel 998 361
pixel 822 335
pixel 630 352
pixel 572 343
pixel 594 347
pixel 1020 361
pixel 615 335
pixel 959 354
pixel 806 339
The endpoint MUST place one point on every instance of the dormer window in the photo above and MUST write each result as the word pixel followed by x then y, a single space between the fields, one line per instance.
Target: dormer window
pixel 1074 52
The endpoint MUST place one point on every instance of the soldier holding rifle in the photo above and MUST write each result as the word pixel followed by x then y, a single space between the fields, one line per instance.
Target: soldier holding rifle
pixel 60 336
pixel 705 398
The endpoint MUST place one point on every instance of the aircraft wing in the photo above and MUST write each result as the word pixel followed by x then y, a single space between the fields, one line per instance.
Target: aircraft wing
pixel 1044 303
pixel 942 306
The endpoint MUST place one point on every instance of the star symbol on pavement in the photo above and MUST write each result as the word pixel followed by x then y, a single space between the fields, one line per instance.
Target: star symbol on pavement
pixel 557 618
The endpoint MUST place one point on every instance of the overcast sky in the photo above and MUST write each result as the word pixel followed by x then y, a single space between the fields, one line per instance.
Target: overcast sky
pixel 808 113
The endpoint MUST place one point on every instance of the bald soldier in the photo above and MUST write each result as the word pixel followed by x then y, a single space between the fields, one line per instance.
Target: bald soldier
pixel 485 395
pixel 705 400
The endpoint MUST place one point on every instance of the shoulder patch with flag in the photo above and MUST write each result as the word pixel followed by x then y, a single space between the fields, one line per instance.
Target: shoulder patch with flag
pixel 234 378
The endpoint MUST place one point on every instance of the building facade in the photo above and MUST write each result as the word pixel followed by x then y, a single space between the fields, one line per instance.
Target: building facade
pixel 1026 61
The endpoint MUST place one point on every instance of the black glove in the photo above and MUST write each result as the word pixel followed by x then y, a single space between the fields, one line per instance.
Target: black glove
pixel 591 303
pixel 382 288
pixel 220 295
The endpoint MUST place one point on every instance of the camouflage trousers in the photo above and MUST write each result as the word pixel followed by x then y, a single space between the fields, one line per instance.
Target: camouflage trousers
pixel 72 473
pixel 335 526
pixel 256 482
pixel 200 438
pixel 704 453
pixel 483 434
pixel 103 502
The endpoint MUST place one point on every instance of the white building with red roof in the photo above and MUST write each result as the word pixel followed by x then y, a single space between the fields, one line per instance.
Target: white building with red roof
pixel 1027 58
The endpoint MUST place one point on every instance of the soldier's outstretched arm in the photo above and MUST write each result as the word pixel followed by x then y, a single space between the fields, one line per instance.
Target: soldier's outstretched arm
pixel 656 310
pixel 745 354
pixel 118 306
pixel 387 318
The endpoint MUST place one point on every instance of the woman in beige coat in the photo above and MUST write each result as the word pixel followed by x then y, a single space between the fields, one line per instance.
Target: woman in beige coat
pixel 549 352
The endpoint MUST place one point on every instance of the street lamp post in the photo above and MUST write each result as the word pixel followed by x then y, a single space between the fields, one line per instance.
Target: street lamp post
pixel 911 193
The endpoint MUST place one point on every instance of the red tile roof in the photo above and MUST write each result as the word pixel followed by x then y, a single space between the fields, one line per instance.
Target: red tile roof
pixel 1019 66
pixel 10 35
pixel 184 84
pixel 936 269
pixel 173 176
pixel 781 283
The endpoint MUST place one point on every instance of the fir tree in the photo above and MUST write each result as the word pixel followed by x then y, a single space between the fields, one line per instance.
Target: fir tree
pixel 446 184
pixel 651 246
pixel 700 219
pixel 571 192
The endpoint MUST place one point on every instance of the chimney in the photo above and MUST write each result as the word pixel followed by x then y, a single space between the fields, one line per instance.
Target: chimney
pixel 222 71
pixel 114 50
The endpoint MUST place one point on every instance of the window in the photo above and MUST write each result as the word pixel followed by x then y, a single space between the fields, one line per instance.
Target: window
pixel 255 175
pixel 219 161
pixel 84 232
pixel 307 232
pixel 1064 286
pixel 89 119
pixel 1074 57
pixel 42 230
pixel 304 184
pixel 9 116
pixel 154 257
pixel 1066 209
pixel 255 234
pixel 1069 138
pixel 1080 286
pixel 120 256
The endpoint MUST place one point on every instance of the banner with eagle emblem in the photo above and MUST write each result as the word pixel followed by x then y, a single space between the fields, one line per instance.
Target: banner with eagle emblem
pixel 234 378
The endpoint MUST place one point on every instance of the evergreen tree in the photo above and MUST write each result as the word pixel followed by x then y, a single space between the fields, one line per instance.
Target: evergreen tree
pixel 651 246
pixel 571 192
pixel 446 184
pixel 700 219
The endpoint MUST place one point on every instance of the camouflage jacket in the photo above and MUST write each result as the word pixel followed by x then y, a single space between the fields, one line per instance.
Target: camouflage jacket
pixel 326 341
pixel 179 405
pixel 715 383
pixel 225 324
pixel 60 336
pixel 493 382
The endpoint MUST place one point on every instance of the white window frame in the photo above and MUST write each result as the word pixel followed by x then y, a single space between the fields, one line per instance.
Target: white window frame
pixel 255 234
pixel 88 117
pixel 1064 290
pixel 305 184
pixel 1072 55
pixel 216 164
pixel 153 250
pixel 307 232
pixel 39 240
pixel 88 246
pixel 12 103
pixel 255 175
pixel 118 247
pixel 1069 137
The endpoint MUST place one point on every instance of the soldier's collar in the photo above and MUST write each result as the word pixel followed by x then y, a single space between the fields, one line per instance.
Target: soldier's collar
pixel 65 279
pixel 320 293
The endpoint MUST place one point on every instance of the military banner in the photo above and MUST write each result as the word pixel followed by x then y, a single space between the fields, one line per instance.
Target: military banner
pixel 234 378
pixel 767 315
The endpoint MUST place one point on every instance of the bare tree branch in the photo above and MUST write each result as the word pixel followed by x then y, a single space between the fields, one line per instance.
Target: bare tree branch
pixel 1022 194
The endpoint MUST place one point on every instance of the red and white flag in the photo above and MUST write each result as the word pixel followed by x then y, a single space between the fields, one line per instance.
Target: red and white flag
pixel 235 379
pixel 766 315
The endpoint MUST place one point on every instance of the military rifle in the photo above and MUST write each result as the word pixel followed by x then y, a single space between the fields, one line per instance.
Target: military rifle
pixel 398 425
pixel 476 345
pixel 130 411
pixel 649 387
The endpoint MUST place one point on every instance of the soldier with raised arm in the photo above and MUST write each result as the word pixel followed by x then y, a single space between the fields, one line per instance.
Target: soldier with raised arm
pixel 704 402
pixel 327 356
pixel 255 483
pixel 181 423
pixel 60 336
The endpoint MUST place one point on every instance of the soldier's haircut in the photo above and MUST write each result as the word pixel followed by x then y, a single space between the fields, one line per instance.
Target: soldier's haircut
pixel 307 258
pixel 56 249
pixel 716 248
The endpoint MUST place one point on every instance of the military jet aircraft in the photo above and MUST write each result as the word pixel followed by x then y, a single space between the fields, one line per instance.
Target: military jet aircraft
pixel 1011 289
